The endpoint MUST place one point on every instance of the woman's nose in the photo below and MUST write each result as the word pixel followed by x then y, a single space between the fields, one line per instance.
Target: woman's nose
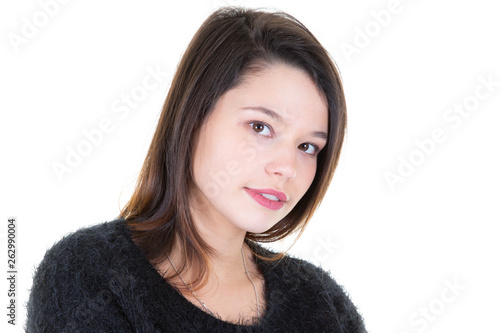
pixel 283 163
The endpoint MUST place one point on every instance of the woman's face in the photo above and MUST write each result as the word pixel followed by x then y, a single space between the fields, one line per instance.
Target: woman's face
pixel 256 154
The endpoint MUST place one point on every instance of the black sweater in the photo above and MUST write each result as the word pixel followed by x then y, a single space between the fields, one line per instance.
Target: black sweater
pixel 97 280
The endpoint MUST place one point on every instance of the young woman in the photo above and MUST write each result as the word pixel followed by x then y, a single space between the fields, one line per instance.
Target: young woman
pixel 246 145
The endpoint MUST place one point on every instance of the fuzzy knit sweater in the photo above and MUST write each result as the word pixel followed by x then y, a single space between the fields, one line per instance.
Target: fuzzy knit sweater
pixel 97 280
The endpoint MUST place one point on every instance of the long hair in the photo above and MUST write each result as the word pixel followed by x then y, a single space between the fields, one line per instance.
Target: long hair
pixel 230 45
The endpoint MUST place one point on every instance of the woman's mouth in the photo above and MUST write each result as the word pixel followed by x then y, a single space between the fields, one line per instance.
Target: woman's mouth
pixel 268 198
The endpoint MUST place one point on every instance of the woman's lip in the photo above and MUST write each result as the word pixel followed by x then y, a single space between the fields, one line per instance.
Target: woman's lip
pixel 280 195
pixel 260 199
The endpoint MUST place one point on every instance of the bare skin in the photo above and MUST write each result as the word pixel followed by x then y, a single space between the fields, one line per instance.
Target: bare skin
pixel 229 295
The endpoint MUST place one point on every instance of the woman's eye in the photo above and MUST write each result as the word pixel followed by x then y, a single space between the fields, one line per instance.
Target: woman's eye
pixel 309 148
pixel 261 128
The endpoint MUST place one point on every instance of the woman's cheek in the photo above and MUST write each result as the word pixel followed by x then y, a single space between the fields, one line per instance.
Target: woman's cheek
pixel 247 151
pixel 309 172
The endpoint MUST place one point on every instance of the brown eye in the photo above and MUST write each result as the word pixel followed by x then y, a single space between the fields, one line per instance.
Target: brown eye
pixel 258 127
pixel 308 148
pixel 261 128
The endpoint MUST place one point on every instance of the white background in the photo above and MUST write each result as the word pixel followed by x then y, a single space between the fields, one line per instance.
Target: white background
pixel 396 250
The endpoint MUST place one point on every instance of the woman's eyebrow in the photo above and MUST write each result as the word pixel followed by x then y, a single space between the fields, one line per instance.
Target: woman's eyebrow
pixel 320 135
pixel 266 111
pixel 279 118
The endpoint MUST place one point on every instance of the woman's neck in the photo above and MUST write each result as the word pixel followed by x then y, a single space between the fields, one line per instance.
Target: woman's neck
pixel 233 280
pixel 227 242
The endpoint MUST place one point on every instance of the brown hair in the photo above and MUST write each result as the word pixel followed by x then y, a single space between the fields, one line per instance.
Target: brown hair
pixel 231 44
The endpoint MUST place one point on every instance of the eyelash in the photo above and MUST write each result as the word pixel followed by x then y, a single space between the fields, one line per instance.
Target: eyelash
pixel 261 123
pixel 252 123
pixel 316 149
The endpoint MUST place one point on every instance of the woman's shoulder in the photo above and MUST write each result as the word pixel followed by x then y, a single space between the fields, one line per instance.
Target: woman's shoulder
pixel 85 255
pixel 293 269
pixel 94 243
pixel 294 281
pixel 81 279
pixel 84 258
pixel 78 277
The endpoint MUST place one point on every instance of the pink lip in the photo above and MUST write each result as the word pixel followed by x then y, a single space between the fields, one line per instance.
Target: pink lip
pixel 271 204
